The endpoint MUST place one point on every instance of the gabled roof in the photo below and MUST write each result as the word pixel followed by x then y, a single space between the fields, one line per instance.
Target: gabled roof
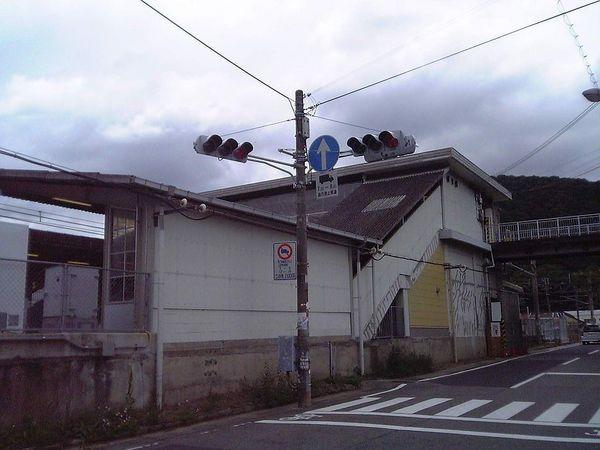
pixel 418 162
pixel 34 185
pixel 376 208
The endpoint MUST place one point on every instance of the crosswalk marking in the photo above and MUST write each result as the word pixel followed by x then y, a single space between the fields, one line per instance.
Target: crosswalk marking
pixel 421 406
pixel 360 401
pixel 463 408
pixel 557 412
pixel 596 417
pixel 508 411
pixel 382 405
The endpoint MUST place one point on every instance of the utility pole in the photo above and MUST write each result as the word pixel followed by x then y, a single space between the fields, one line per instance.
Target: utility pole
pixel 536 301
pixel 591 297
pixel 547 285
pixel 304 388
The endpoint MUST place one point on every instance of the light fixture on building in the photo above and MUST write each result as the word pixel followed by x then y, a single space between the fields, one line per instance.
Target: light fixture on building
pixel 72 202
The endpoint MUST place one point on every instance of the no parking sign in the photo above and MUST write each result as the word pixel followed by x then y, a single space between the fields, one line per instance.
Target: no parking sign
pixel 284 260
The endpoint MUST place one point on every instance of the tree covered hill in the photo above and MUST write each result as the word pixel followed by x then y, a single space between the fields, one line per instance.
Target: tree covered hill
pixel 542 197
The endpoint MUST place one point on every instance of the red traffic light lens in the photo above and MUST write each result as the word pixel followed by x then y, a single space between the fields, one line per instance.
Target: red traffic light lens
pixel 243 150
pixel 227 147
pixel 370 141
pixel 388 139
pixel 212 143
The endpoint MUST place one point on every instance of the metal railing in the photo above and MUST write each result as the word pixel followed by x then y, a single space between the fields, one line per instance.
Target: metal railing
pixel 545 228
pixel 49 296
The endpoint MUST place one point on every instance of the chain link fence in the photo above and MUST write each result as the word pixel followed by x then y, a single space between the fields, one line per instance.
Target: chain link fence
pixel 48 296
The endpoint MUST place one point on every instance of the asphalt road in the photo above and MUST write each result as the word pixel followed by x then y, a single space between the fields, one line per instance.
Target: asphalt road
pixel 545 400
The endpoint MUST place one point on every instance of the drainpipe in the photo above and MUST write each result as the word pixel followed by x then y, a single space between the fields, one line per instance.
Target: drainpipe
pixel 158 282
pixel 373 285
pixel 361 343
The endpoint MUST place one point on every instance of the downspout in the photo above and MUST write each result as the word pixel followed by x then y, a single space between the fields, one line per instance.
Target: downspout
pixel 373 285
pixel 351 277
pixel 361 343
pixel 448 275
pixel 158 283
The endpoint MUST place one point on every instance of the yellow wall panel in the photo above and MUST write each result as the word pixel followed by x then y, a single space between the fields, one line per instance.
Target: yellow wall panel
pixel 427 297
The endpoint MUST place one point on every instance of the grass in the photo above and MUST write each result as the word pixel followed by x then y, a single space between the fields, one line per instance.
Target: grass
pixel 400 363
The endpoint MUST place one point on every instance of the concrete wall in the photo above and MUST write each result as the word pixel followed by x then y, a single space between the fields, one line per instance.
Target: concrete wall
pixel 439 348
pixel 216 283
pixel 56 376
pixel 193 370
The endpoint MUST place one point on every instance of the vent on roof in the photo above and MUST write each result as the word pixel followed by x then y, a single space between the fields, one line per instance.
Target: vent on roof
pixel 384 203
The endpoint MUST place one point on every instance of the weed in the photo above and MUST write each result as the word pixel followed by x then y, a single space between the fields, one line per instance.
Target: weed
pixel 400 363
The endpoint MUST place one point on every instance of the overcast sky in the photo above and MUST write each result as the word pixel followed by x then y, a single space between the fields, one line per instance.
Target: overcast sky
pixel 110 86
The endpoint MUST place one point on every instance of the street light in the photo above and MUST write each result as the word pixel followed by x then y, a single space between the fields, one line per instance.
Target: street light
pixel 592 94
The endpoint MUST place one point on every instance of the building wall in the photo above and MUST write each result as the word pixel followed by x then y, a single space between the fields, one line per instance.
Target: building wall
pixel 427 299
pixel 411 240
pixel 216 283
pixel 468 293
pixel 460 208
pixel 14 239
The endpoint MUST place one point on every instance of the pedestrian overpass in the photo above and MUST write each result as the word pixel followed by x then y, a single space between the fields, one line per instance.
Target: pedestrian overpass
pixel 557 236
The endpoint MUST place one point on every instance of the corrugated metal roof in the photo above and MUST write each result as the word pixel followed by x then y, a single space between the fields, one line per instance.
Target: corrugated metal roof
pixel 376 208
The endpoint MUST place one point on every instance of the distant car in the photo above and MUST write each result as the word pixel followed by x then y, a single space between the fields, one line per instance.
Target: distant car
pixel 590 335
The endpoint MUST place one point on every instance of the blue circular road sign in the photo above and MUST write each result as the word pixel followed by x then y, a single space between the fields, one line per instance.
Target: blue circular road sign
pixel 323 153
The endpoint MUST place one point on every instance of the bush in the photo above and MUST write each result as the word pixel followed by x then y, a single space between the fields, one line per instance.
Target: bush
pixel 272 389
pixel 400 363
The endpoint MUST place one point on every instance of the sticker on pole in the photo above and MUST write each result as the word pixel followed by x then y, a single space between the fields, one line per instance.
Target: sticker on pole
pixel 326 184
pixel 323 153
pixel 284 260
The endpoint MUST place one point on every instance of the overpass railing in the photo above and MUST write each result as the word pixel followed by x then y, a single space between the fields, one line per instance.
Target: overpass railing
pixel 545 228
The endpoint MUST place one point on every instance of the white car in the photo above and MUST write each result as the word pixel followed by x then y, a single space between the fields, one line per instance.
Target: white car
pixel 590 335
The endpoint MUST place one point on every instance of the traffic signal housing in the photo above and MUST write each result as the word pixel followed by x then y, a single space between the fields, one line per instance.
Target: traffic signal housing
pixel 229 149
pixel 388 144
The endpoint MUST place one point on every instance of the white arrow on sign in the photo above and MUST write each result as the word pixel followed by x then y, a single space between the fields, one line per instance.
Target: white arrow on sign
pixel 323 150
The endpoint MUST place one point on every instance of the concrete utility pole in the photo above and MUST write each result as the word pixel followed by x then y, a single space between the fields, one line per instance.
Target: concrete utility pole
pixel 547 286
pixel 304 389
pixel 591 297
pixel 536 301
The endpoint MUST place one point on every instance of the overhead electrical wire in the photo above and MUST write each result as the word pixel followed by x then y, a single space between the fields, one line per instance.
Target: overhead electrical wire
pixel 212 49
pixel 39 211
pixel 62 227
pixel 578 43
pixel 428 31
pixel 345 123
pixel 585 172
pixel 548 141
pixel 258 127
pixel 29 214
pixel 450 55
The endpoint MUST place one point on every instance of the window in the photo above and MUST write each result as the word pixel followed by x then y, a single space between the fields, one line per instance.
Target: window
pixel 122 255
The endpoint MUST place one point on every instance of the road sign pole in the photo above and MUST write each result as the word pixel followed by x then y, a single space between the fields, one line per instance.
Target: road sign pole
pixel 304 388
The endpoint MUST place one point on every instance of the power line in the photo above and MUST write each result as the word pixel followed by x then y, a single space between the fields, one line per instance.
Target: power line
pixel 585 172
pixel 258 127
pixel 381 254
pixel 549 141
pixel 345 123
pixel 50 218
pixel 212 49
pixel 429 31
pixel 82 219
pixel 62 227
pixel 578 43
pixel 450 55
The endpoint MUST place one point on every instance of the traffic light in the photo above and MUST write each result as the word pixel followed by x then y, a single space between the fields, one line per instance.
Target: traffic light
pixel 388 144
pixel 229 149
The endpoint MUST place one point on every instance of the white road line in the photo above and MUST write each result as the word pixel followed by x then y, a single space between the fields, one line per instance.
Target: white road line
pixel 583 374
pixel 595 418
pixel 570 361
pixel 557 412
pixel 421 406
pixel 382 405
pixel 525 437
pixel 499 362
pixel 359 401
pixel 466 419
pixel 463 408
pixel 400 386
pixel 508 411
pixel 595 351
pixel 535 377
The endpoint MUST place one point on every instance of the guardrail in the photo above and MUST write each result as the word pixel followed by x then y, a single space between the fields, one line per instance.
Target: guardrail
pixel 545 228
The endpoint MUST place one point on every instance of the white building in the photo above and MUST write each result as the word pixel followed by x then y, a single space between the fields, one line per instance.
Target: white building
pixel 13 273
